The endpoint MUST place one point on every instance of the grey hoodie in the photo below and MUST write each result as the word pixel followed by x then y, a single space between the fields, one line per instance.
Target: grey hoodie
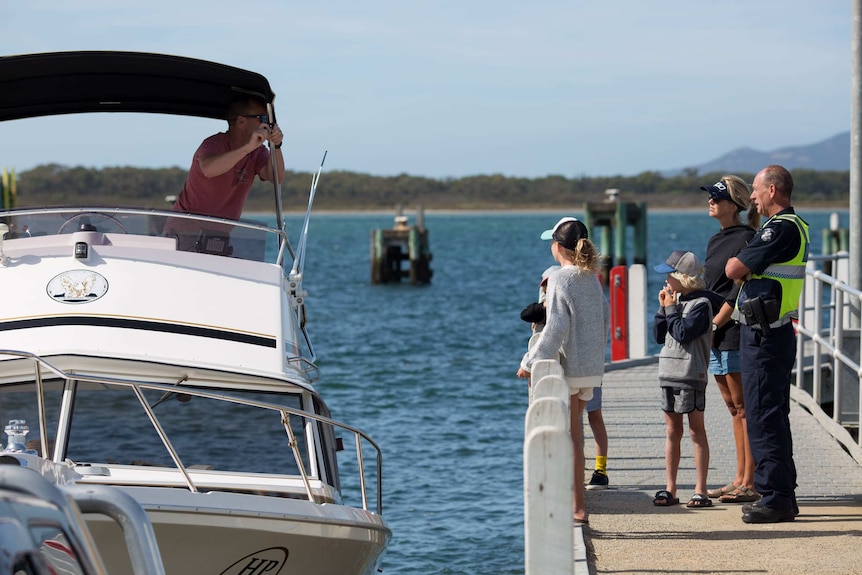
pixel 685 329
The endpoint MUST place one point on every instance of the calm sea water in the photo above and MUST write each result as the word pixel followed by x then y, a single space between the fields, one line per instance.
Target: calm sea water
pixel 429 372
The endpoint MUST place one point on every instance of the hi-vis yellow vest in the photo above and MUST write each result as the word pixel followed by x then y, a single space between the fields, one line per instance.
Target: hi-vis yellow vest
pixel 790 274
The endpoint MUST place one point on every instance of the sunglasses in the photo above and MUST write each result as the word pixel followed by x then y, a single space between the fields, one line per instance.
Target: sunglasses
pixel 262 117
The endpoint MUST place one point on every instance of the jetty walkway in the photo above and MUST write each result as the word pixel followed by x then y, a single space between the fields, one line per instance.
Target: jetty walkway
pixel 627 534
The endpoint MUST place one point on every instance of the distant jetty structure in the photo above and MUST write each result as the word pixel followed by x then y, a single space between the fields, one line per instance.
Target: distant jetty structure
pixel 835 239
pixel 8 189
pixel 610 222
pixel 402 244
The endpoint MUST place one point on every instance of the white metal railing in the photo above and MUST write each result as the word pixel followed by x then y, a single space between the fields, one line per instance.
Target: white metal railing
pixel 828 342
pixel 43 369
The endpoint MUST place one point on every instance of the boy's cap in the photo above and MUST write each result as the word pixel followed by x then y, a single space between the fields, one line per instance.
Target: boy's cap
pixel 681 261
pixel 567 232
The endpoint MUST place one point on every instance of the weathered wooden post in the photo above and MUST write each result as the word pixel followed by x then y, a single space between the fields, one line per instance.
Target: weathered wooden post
pixel 608 223
pixel 389 248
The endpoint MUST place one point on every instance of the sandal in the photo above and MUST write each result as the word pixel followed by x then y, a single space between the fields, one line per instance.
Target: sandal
pixel 664 498
pixel 699 500
pixel 740 495
pixel 716 493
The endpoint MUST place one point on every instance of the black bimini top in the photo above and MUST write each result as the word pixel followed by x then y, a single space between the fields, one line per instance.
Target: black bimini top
pixel 77 82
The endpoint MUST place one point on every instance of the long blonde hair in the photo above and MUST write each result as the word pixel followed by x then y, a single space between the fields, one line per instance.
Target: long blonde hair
pixel 740 192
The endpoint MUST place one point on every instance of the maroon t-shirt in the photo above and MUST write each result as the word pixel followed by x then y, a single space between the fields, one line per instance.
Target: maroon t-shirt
pixel 220 196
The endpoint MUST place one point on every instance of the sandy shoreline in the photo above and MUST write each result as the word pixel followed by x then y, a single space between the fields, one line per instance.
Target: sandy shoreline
pixel 453 211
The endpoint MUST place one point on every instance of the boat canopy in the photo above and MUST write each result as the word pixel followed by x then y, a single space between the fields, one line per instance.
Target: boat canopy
pixel 99 81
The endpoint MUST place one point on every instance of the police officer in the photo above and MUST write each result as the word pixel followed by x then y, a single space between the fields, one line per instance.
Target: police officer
pixel 773 267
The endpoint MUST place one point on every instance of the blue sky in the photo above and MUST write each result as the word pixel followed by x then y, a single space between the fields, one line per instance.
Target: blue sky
pixel 451 88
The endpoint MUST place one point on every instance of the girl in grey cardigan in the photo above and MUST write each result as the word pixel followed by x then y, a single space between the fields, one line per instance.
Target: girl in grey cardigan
pixel 577 324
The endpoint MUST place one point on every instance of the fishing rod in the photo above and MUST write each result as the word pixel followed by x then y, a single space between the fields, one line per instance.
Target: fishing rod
pixel 297 293
pixel 299 261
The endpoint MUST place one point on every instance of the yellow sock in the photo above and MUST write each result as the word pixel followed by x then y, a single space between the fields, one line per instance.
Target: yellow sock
pixel 602 463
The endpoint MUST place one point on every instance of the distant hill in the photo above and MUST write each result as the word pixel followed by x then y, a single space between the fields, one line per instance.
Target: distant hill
pixel 832 154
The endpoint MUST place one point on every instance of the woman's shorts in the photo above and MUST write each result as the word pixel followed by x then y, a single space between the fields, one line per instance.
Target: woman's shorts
pixel 596 402
pixel 674 400
pixel 582 393
pixel 724 362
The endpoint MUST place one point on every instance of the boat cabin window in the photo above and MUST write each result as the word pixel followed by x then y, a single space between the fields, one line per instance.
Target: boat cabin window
pixel 109 425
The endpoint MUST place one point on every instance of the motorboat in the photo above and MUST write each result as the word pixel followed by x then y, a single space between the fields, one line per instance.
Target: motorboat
pixel 185 378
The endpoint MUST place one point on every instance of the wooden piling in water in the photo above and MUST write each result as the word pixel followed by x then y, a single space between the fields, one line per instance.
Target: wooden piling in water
pixel 391 248
pixel 608 221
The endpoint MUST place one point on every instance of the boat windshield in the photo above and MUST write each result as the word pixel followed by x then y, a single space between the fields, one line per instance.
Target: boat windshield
pixel 110 426
pixel 243 239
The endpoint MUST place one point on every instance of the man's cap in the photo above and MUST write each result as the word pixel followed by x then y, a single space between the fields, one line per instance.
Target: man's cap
pixel 567 232
pixel 683 262
pixel 719 191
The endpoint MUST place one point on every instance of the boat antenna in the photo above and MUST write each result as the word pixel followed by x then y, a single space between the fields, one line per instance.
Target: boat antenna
pixel 299 261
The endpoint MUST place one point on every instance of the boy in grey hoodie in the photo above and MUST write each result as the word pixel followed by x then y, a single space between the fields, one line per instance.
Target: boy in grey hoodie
pixel 683 324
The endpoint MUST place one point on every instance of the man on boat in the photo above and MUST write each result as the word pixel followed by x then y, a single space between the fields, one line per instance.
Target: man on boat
pixel 225 165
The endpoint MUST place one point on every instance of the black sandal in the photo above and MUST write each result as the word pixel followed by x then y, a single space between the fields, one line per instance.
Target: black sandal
pixel 699 500
pixel 664 498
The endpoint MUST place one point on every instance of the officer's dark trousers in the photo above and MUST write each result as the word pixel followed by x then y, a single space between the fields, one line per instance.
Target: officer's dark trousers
pixel 766 365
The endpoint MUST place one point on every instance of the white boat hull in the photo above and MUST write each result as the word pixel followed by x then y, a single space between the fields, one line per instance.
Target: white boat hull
pixel 213 539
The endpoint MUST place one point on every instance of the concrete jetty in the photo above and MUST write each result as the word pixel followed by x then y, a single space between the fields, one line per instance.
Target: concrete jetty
pixel 628 535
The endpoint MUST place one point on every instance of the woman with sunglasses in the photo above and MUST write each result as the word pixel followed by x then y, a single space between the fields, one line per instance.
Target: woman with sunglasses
pixel 728 198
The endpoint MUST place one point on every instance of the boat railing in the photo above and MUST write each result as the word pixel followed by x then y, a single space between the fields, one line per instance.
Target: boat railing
pixel 829 347
pixel 44 369
pixel 26 220
pixel 137 530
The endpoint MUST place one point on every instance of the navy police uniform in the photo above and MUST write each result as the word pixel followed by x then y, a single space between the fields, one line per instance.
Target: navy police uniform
pixel 767 302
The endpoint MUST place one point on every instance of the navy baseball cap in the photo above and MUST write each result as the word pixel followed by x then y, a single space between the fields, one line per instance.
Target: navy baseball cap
pixel 567 232
pixel 719 191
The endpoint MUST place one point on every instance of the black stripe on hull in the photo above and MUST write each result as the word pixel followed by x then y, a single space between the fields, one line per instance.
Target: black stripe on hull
pixel 124 323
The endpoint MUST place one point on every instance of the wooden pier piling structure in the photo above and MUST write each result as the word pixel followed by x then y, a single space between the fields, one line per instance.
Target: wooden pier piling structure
pixel 609 221
pixel 391 248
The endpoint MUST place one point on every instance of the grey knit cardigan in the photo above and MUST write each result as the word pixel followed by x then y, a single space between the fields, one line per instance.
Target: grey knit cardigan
pixel 577 327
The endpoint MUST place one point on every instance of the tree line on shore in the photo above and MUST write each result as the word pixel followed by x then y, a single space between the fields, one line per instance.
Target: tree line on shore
pixel 56 185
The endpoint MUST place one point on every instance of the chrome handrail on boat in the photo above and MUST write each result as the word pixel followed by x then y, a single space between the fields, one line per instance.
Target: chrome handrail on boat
pixel 283 410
